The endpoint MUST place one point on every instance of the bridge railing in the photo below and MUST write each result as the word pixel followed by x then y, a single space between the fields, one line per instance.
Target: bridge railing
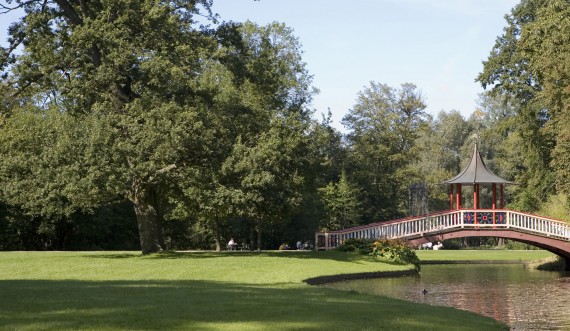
pixel 436 223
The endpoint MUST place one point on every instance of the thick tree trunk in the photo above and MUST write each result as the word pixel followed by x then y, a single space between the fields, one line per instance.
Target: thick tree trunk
pixel 150 231
pixel 159 215
pixel 258 229
pixel 218 237
pixel 501 242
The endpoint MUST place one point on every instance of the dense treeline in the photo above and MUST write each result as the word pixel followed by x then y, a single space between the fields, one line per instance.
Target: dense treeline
pixel 127 125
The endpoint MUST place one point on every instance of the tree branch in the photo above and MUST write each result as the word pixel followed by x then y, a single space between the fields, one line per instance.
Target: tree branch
pixel 8 51
pixel 26 85
pixel 162 171
pixel 6 9
pixel 69 12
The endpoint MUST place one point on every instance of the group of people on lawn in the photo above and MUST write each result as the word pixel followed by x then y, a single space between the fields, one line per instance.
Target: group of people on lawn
pixel 233 245
pixel 300 246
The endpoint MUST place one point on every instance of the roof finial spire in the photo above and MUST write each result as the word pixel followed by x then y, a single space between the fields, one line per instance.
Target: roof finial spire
pixel 476 171
pixel 477 139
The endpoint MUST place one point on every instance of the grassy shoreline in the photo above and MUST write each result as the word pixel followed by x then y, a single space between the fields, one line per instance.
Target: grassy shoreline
pixel 495 255
pixel 205 291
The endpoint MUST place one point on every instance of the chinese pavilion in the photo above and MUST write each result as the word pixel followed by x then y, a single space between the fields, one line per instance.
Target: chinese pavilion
pixel 476 174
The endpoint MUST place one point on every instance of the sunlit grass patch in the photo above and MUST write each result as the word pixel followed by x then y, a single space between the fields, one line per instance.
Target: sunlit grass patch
pixel 203 291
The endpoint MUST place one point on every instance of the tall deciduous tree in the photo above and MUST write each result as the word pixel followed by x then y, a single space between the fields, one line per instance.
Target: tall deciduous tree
pixel 439 158
pixel 262 81
pixel 384 125
pixel 509 74
pixel 342 205
pixel 530 64
pixel 262 174
pixel 128 71
pixel 545 44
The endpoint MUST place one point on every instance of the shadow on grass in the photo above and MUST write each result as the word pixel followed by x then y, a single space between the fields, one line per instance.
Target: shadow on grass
pixel 350 257
pixel 196 305
pixel 306 255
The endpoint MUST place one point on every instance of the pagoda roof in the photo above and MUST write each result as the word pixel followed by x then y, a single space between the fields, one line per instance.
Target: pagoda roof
pixel 477 172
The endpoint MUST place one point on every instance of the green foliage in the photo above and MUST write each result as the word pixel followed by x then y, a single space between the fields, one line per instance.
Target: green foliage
pixel 362 246
pixel 395 250
pixel 557 207
pixel 516 245
pixel 263 175
pixel 383 126
pixel 133 100
pixel 48 168
pixel 208 132
pixel 440 154
pixel 545 44
pixel 387 249
pixel 113 102
pixel 453 243
pixel 342 207
pixel 529 68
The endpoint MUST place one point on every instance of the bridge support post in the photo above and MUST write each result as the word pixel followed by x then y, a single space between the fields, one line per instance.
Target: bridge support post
pixel 566 266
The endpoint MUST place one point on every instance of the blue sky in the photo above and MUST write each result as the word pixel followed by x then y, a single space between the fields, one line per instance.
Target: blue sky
pixel 436 44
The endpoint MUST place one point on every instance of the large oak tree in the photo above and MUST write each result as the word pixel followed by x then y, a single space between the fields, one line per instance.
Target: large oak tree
pixel 108 104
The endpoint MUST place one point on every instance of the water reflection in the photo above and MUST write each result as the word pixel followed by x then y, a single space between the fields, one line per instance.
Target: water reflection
pixel 524 299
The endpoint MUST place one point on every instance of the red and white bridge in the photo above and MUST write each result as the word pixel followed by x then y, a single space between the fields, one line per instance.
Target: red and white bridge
pixel 546 233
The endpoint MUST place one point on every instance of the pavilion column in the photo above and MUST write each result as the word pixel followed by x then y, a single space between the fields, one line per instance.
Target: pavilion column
pixel 451 197
pixel 494 203
pixel 478 195
pixel 475 196
pixel 458 196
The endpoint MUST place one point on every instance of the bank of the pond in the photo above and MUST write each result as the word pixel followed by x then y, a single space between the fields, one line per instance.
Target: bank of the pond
pixel 472 262
pixel 538 259
pixel 491 255
pixel 205 291
pixel 532 258
pixel 363 275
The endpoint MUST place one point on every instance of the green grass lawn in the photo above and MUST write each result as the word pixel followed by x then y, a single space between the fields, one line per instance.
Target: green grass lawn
pixel 204 291
pixel 483 255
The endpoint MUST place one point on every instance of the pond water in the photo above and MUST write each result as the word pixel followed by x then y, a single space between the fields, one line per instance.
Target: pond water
pixel 525 299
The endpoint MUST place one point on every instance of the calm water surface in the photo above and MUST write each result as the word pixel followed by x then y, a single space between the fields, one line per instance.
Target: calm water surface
pixel 525 299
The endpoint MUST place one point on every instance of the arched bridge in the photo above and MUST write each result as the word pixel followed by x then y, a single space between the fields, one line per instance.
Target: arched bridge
pixel 549 234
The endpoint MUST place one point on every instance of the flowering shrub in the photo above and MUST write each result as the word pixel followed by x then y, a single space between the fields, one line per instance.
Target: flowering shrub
pixel 395 250
pixel 388 249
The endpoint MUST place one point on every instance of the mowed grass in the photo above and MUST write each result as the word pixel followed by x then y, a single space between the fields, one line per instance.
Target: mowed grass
pixel 204 291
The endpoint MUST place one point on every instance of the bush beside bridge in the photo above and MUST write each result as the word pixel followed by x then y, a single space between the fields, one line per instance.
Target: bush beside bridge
pixel 388 249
